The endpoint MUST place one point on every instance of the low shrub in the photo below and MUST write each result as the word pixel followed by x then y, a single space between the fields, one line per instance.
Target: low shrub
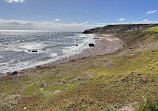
pixel 148 105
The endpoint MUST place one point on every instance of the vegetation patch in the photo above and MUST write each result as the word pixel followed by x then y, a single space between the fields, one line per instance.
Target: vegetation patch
pixel 145 35
pixel 153 29
pixel 148 105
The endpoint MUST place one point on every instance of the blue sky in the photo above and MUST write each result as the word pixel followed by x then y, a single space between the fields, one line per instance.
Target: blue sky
pixel 88 13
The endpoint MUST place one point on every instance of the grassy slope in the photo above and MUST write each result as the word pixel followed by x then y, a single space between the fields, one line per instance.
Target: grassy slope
pixel 94 83
pixel 153 29
pixel 147 34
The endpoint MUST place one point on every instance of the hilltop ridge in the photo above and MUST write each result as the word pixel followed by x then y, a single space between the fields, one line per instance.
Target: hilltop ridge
pixel 120 28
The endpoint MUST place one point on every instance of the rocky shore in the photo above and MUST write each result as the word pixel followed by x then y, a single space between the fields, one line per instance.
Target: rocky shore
pixel 108 40
pixel 104 44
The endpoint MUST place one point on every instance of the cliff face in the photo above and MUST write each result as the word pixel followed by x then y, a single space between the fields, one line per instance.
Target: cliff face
pixel 120 28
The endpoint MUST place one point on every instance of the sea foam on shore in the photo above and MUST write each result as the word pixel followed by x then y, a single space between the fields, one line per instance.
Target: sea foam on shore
pixel 26 49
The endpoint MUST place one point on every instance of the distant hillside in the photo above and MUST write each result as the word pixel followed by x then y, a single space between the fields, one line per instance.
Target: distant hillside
pixel 120 28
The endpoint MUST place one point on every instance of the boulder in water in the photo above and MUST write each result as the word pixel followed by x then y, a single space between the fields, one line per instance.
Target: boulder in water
pixel 34 50
pixel 91 45
pixel 14 73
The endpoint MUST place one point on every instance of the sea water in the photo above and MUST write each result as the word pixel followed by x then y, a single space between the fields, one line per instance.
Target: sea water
pixel 25 49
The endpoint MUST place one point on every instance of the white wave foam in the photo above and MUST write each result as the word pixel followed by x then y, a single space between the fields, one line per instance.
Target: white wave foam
pixel 22 47
pixel 32 46
pixel 53 55
pixel 1 56
pixel 69 51
pixel 85 35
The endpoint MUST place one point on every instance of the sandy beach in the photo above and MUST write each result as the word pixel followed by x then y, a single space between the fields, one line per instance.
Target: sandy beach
pixel 104 44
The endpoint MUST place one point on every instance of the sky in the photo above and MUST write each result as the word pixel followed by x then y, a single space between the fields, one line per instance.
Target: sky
pixel 74 15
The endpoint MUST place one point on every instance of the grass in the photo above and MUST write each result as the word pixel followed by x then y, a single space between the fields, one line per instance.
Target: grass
pixel 92 85
pixel 146 34
pixel 153 29
pixel 148 105
pixel 106 82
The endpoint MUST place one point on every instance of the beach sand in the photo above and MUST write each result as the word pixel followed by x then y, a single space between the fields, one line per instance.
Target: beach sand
pixel 104 44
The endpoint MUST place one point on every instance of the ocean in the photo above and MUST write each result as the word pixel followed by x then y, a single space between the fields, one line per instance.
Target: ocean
pixel 26 49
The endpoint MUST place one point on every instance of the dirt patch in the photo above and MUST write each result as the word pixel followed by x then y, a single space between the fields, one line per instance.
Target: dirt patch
pixel 130 107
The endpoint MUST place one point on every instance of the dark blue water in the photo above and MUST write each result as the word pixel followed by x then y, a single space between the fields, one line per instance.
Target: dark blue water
pixel 25 49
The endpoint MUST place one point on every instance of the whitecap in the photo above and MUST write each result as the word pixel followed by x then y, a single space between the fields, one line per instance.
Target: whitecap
pixel 1 56
pixel 27 47
pixel 68 51
pixel 53 55
pixel 31 46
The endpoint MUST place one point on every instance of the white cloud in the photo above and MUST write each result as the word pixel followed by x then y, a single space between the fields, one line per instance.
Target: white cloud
pixel 84 23
pixel 10 1
pixel 114 23
pixel 57 19
pixel 145 21
pixel 50 26
pixel 151 12
pixel 57 27
pixel 122 19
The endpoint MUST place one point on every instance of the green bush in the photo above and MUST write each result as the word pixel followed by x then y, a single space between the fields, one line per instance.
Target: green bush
pixel 148 105
pixel 143 34
pixel 139 35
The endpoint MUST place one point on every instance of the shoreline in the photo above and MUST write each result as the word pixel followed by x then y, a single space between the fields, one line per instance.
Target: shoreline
pixel 119 73
pixel 104 44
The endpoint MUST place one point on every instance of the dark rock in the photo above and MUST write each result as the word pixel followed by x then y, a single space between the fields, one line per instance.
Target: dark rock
pixel 14 73
pixel 96 38
pixel 76 45
pixel 91 45
pixel 34 51
pixel 88 31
